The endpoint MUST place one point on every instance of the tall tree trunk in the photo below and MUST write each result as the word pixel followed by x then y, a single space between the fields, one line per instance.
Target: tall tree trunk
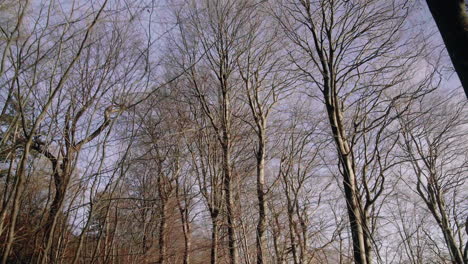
pixel 82 235
pixel 61 181
pixel 261 197
pixel 292 237
pixel 276 234
pixel 232 243
pixel 162 234
pixel 187 241
pixel 51 223
pixel 452 20
pixel 291 224
pixel 185 219
pixel 214 236
pixel 353 201
pixel 227 170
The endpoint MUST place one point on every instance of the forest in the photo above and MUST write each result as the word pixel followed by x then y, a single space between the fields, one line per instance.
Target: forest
pixel 233 131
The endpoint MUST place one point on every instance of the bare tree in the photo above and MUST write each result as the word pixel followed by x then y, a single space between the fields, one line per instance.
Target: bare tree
pixel 434 143
pixel 220 35
pixel 31 134
pixel 207 166
pixel 349 54
pixel 129 135
pixel 262 69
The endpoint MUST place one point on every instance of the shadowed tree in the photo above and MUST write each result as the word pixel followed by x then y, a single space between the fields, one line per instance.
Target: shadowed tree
pixel 452 20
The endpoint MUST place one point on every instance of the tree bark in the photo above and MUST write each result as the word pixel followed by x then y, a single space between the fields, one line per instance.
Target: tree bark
pixel 214 237
pixel 452 21
pixel 227 170
pixel 353 201
pixel 261 197
pixel 185 219
pixel 61 185
pixel 229 203
pixel 162 235
pixel 187 241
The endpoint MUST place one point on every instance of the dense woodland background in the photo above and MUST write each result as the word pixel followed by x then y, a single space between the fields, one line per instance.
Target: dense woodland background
pixel 229 131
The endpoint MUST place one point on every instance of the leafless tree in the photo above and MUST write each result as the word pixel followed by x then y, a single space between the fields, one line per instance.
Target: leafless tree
pixel 31 133
pixel 434 143
pixel 225 131
pixel 350 55
pixel 216 29
pixel 263 70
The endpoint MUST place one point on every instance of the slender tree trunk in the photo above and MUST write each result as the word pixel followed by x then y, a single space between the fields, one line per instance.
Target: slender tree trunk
pixel 6 195
pixel 226 146
pixel 292 237
pixel 292 229
pixel 276 233
pixel 81 238
pixel 111 233
pixel 187 242
pixel 102 233
pixel 367 241
pixel 233 256
pixel 261 197
pixel 162 235
pixel 214 237
pixel 302 234
pixel 184 216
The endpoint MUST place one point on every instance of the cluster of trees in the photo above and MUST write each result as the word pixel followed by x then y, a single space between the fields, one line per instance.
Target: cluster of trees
pixel 229 131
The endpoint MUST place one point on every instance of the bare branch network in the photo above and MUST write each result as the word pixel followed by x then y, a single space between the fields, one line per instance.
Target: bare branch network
pixel 233 131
